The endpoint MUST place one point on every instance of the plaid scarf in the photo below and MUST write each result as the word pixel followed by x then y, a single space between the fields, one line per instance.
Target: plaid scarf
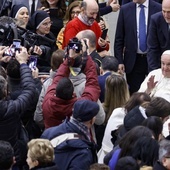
pixel 81 127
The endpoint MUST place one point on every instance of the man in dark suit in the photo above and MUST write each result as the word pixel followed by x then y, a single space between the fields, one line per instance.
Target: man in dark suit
pixel 109 65
pixel 28 4
pixel 158 36
pixel 132 59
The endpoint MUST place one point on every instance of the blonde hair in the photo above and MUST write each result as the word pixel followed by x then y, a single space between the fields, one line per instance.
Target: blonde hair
pixel 116 93
pixel 146 168
pixel 41 150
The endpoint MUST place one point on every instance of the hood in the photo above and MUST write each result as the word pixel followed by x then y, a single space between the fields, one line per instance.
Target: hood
pixel 78 79
pixel 73 144
pixel 133 118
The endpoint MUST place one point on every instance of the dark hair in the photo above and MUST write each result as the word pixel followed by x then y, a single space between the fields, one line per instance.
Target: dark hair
pixel 64 89
pixel 155 124
pixel 110 63
pixel 57 59
pixel 127 142
pixel 13 69
pixel 97 166
pixel 136 99
pixel 3 87
pixel 158 107
pixel 127 163
pixel 6 155
pixel 146 151
pixel 3 72
pixel 60 5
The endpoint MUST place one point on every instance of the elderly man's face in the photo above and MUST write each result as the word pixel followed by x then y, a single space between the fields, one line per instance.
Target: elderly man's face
pixel 90 14
pixel 166 10
pixel 165 65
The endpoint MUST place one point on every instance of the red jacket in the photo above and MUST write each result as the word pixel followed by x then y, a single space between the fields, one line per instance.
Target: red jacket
pixel 75 26
pixel 55 110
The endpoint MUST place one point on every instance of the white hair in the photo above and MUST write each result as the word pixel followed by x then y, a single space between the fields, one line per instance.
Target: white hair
pixel 166 52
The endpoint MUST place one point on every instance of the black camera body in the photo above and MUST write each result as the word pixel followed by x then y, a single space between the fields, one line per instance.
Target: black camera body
pixel 75 44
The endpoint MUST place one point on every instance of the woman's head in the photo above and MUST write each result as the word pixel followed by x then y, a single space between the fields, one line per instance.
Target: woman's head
pixel 40 22
pixel 40 153
pixel 59 4
pixel 155 124
pixel 116 93
pixel 145 151
pixel 20 12
pixel 128 140
pixel 73 10
pixel 137 99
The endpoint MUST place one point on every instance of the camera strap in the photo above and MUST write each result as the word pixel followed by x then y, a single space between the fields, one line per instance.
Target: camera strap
pixel 82 66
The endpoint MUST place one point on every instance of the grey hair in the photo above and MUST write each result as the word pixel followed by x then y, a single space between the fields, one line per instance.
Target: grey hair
pixel 164 149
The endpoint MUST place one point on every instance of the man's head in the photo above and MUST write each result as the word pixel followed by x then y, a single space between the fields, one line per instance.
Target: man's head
pixel 89 10
pixel 165 63
pixel 57 59
pixel 166 10
pixel 89 34
pixel 164 153
pixel 158 107
pixel 6 155
pixel 13 69
pixel 110 63
pixel 85 110
pixel 64 89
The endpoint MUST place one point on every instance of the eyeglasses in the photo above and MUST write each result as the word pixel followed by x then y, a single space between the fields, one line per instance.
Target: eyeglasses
pixel 75 12
pixel 45 24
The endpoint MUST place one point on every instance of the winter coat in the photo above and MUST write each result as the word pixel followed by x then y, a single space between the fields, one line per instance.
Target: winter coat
pixel 11 111
pixel 74 153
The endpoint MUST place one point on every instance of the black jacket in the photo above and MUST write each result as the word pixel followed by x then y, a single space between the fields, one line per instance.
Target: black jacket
pixel 11 110
pixel 51 166
pixel 158 166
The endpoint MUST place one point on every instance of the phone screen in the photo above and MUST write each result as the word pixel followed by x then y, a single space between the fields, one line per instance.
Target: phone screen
pixel 16 44
pixel 104 34
pixel 32 63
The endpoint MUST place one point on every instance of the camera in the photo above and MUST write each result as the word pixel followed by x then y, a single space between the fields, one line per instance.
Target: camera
pixel 75 44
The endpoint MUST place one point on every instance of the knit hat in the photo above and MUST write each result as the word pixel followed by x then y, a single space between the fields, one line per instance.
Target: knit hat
pixel 85 110
pixel 36 19
pixel 15 10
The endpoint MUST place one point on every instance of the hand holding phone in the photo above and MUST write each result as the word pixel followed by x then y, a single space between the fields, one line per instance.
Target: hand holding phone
pixel 32 63
pixel 104 34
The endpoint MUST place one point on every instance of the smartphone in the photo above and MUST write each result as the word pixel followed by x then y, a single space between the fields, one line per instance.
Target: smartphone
pixel 104 34
pixel 32 63
pixel 16 44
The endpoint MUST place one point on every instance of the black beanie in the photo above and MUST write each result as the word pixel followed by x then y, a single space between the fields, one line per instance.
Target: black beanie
pixel 36 19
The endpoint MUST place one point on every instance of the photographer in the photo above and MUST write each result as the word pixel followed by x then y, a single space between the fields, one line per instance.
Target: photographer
pixel 11 110
pixel 59 99
pixel 40 23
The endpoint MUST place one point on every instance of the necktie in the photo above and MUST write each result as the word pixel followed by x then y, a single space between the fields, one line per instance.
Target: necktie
pixel 142 29
pixel 33 7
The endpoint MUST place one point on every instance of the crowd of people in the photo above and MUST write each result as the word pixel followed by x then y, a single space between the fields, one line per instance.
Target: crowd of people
pixel 66 103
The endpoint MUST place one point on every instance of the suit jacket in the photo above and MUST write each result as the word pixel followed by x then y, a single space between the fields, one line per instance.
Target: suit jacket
pixel 102 80
pixel 26 3
pixel 126 33
pixel 158 40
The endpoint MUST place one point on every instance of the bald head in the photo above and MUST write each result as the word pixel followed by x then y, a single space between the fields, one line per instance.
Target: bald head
pixel 91 3
pixel 89 35
pixel 166 10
